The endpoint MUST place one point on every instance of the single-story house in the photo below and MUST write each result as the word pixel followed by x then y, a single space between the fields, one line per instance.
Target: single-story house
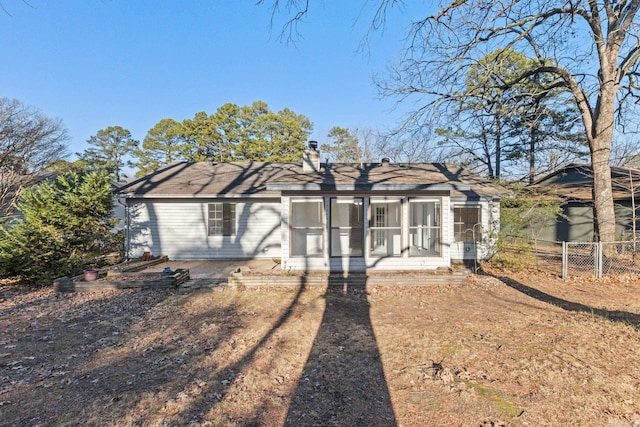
pixel 574 184
pixel 313 216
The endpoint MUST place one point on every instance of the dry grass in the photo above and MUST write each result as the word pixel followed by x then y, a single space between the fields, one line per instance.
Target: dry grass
pixel 526 349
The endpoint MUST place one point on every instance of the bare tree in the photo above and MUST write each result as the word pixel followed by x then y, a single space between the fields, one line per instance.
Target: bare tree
pixel 367 138
pixel 407 149
pixel 6 11
pixel 590 48
pixel 350 145
pixel 625 152
pixel 29 142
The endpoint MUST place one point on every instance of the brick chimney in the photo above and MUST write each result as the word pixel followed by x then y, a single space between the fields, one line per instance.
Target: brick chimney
pixel 311 158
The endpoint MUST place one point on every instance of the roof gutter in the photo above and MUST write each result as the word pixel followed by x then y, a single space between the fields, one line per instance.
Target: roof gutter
pixel 199 196
pixel 366 187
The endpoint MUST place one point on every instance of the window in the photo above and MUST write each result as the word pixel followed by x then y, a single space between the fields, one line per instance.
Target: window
pixel 222 219
pixel 306 227
pixel 466 224
pixel 424 228
pixel 347 226
pixel 385 227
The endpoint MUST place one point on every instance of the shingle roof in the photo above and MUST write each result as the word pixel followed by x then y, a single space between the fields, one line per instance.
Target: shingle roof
pixel 268 179
pixel 206 179
pixel 575 182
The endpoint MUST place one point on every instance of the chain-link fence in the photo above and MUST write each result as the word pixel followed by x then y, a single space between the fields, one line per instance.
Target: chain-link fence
pixel 548 256
pixel 600 259
pixel 540 254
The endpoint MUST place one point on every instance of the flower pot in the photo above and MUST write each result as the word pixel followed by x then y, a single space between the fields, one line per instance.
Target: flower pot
pixel 90 275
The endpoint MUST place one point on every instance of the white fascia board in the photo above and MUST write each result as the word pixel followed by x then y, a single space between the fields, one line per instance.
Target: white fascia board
pixel 373 187
pixel 200 196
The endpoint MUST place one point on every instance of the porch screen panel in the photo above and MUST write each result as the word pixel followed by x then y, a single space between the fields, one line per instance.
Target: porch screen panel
pixel 385 228
pixel 347 226
pixel 424 228
pixel 306 227
pixel 466 224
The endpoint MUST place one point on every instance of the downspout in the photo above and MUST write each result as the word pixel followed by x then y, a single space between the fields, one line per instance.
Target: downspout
pixel 126 229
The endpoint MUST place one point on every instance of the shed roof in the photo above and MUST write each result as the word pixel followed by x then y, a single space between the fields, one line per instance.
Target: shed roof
pixel 575 182
pixel 269 179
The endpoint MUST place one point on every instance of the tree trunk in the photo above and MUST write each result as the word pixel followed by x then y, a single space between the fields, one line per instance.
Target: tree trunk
pixel 600 135
pixel 532 153
pixel 498 149
pixel 603 196
pixel 600 145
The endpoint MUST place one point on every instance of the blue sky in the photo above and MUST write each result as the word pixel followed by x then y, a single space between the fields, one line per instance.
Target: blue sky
pixel 98 63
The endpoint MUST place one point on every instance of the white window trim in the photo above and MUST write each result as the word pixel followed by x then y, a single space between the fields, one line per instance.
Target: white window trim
pixel 371 228
pixel 234 224
pixel 475 205
pixel 440 225
pixel 330 228
pixel 322 227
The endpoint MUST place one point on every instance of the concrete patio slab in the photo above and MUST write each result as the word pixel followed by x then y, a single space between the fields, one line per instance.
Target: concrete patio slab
pixel 207 272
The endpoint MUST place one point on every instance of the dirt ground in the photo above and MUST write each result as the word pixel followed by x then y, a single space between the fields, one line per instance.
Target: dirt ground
pixel 524 349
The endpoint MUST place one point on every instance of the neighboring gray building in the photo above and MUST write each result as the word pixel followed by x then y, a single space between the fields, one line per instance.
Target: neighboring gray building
pixel 574 184
pixel 312 216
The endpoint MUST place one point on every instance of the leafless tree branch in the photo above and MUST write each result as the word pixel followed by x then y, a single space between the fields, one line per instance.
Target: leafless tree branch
pixel 29 142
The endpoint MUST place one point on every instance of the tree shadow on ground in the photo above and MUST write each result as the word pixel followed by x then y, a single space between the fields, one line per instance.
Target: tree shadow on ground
pixel 343 381
pixel 613 315
pixel 52 346
pixel 173 367
pixel 8 295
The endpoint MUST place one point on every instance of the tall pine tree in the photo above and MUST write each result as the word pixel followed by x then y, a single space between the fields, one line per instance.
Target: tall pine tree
pixel 110 148
pixel 163 145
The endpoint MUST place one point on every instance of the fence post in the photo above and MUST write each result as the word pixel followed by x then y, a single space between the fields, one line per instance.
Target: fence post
pixel 565 260
pixel 599 260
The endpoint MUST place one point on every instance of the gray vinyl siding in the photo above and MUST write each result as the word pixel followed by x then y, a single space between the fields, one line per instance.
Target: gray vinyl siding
pixel 178 229
pixel 576 223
